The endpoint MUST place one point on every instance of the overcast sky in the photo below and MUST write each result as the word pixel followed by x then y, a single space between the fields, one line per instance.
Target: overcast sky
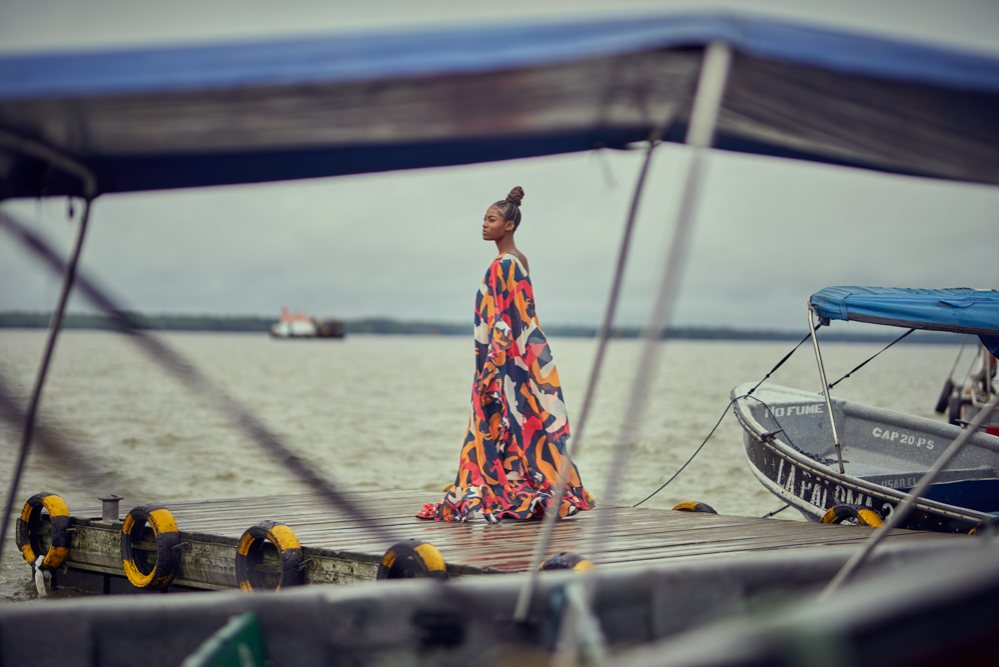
pixel 406 244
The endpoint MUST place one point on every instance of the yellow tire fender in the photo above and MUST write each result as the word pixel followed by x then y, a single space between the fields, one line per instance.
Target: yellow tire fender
pixel 250 555
pixel 167 540
pixel 865 516
pixel 566 561
pixel 694 506
pixel 412 559
pixel 28 531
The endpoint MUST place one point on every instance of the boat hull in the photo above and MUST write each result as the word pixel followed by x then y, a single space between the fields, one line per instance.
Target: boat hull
pixel 793 474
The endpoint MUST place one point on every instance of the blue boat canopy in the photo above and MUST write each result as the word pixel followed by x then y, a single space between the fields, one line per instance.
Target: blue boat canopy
pixel 958 310
pixel 184 116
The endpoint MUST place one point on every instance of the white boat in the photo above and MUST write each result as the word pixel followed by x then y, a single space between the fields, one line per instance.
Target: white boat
pixel 832 459
pixel 300 325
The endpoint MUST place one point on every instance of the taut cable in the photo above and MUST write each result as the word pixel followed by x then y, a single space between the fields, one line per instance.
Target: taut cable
pixel 551 515
pixel 707 104
pixel 199 384
pixel 902 511
pixel 69 275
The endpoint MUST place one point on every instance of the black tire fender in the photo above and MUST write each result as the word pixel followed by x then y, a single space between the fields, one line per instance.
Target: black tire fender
pixel 29 528
pixel 566 560
pixel 694 506
pixel 944 400
pixel 865 516
pixel 986 528
pixel 249 555
pixel 167 538
pixel 412 559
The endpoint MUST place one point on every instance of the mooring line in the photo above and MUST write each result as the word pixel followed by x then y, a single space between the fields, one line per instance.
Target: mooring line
pixel 69 275
pixel 575 442
pixel 707 105
pixel 197 382
pixel 903 509
pixel 777 511
pixel 871 358
pixel 47 442
pixel 781 362
pixel 724 412
pixel 696 452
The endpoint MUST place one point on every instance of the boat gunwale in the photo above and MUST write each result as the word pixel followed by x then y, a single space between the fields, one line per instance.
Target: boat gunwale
pixel 749 425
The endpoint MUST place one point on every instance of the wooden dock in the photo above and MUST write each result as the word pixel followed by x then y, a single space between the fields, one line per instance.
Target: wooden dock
pixel 339 551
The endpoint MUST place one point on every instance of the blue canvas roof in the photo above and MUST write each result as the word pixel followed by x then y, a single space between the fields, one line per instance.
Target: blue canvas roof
pixel 185 116
pixel 958 310
pixel 433 53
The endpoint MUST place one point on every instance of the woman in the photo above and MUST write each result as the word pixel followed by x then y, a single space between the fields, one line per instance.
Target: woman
pixel 518 428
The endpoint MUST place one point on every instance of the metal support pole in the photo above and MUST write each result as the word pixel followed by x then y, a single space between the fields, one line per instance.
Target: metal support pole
pixel 825 387
pixel 54 157
pixel 700 134
pixel 987 356
pixel 903 509
pixel 189 376
pixel 36 395
pixel 88 180
pixel 554 504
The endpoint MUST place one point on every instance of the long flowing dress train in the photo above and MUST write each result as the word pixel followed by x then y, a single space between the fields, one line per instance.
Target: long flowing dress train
pixel 517 438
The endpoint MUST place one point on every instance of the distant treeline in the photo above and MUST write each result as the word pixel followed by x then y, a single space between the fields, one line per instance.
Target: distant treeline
pixel 384 325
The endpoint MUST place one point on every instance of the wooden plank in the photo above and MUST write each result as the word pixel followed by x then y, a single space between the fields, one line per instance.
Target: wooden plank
pixel 343 552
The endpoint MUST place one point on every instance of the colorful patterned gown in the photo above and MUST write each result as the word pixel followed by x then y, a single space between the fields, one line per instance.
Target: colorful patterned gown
pixel 515 441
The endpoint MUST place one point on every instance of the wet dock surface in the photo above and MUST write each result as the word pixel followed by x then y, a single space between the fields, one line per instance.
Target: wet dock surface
pixel 340 551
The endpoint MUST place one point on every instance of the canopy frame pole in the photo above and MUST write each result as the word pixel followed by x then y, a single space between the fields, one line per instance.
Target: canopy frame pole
pixel 54 157
pixel 15 142
pixel 700 134
pixel 708 98
pixel 902 510
pixel 825 387
pixel 575 444
pixel 55 325
pixel 987 369
pixel 200 385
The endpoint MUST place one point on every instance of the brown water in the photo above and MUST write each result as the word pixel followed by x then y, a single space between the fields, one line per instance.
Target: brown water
pixel 391 412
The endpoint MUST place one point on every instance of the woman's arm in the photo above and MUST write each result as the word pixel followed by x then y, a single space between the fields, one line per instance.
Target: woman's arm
pixel 500 332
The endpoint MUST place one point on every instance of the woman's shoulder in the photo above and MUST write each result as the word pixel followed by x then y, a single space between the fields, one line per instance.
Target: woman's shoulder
pixel 508 259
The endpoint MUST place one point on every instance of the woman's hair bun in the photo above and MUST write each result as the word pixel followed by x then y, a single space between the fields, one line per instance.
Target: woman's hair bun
pixel 516 196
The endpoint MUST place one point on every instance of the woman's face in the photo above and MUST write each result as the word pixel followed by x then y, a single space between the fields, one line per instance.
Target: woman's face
pixel 494 227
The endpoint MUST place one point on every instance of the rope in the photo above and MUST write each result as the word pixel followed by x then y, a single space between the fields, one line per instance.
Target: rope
pixel 199 384
pixel 551 515
pixel 871 358
pixel 781 362
pixel 790 444
pixel 69 275
pixel 724 412
pixel 696 451
pixel 901 512
pixel 48 441
pixel 770 514
pixel 787 438
pixel 950 376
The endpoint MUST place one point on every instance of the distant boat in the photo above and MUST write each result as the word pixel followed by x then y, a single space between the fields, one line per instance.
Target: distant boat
pixel 300 325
